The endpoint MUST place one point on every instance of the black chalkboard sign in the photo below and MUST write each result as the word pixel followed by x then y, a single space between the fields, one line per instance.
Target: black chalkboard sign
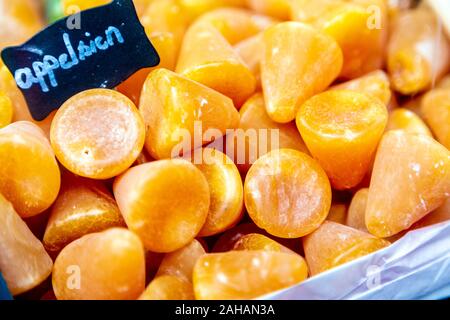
pixel 96 48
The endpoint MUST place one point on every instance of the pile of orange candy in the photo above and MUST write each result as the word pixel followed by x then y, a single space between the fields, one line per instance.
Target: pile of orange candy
pixel 106 198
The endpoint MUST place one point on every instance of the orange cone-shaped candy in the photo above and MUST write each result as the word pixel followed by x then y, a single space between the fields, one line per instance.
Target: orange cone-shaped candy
pixel 208 58
pixel 145 195
pixel 411 178
pixel 181 263
pixel 436 111
pixel 338 213
pixel 334 244
pixel 356 217
pixel 83 206
pixel 109 265
pixel 23 261
pixel 226 189
pixel 404 119
pixel 250 50
pixel 29 173
pixel 375 84
pixel 97 134
pixel 168 287
pixel 195 8
pixel 287 193
pixel 418 53
pixel 359 27
pixel 246 274
pixel 178 111
pixel 258 134
pixel 292 70
pixel 342 129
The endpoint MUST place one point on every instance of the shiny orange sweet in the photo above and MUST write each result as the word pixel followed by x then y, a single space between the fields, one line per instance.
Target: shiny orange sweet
pixel 404 119
pixel 23 261
pixel 280 9
pixel 342 129
pixel 229 238
pixel 246 274
pixel 109 265
pixel 74 6
pixel 436 112
pixel 6 110
pixel 82 207
pixel 250 50
pixel 236 24
pixel 256 241
pixel 168 288
pixel 356 217
pixel 145 195
pixel 292 71
pixel 207 57
pixel 358 26
pixel 338 213
pixel 418 53
pixel 178 112
pixel 97 134
pixel 29 173
pixel 441 214
pixel 334 244
pixel 375 84
pixel 258 134
pixel 226 190
pixel 181 263
pixel 287 193
pixel 411 178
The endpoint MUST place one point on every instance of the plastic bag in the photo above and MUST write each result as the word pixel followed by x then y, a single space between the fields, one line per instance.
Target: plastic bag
pixel 415 267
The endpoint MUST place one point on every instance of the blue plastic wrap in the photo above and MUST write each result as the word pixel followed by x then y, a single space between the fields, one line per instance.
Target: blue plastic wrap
pixel 415 267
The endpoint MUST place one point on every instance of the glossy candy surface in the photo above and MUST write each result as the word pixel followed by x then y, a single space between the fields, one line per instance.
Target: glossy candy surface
pixel 246 274
pixel 342 129
pixel 109 265
pixel 29 174
pixel 145 195
pixel 287 193
pixel 97 134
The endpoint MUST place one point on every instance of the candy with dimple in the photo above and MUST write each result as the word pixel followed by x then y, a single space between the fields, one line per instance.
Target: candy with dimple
pixel 207 57
pixel 145 198
pixel 287 193
pixel 358 26
pixel 436 111
pixel 342 129
pixel 246 274
pixel 418 53
pixel 226 190
pixel 108 265
pixel 375 84
pixel 6 110
pixel 172 105
pixel 83 206
pixel 404 119
pixel 181 262
pixel 168 287
pixel 23 261
pixel 258 134
pixel 411 178
pixel 97 134
pixel 29 174
pixel 334 244
pixel 256 241
pixel 292 71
